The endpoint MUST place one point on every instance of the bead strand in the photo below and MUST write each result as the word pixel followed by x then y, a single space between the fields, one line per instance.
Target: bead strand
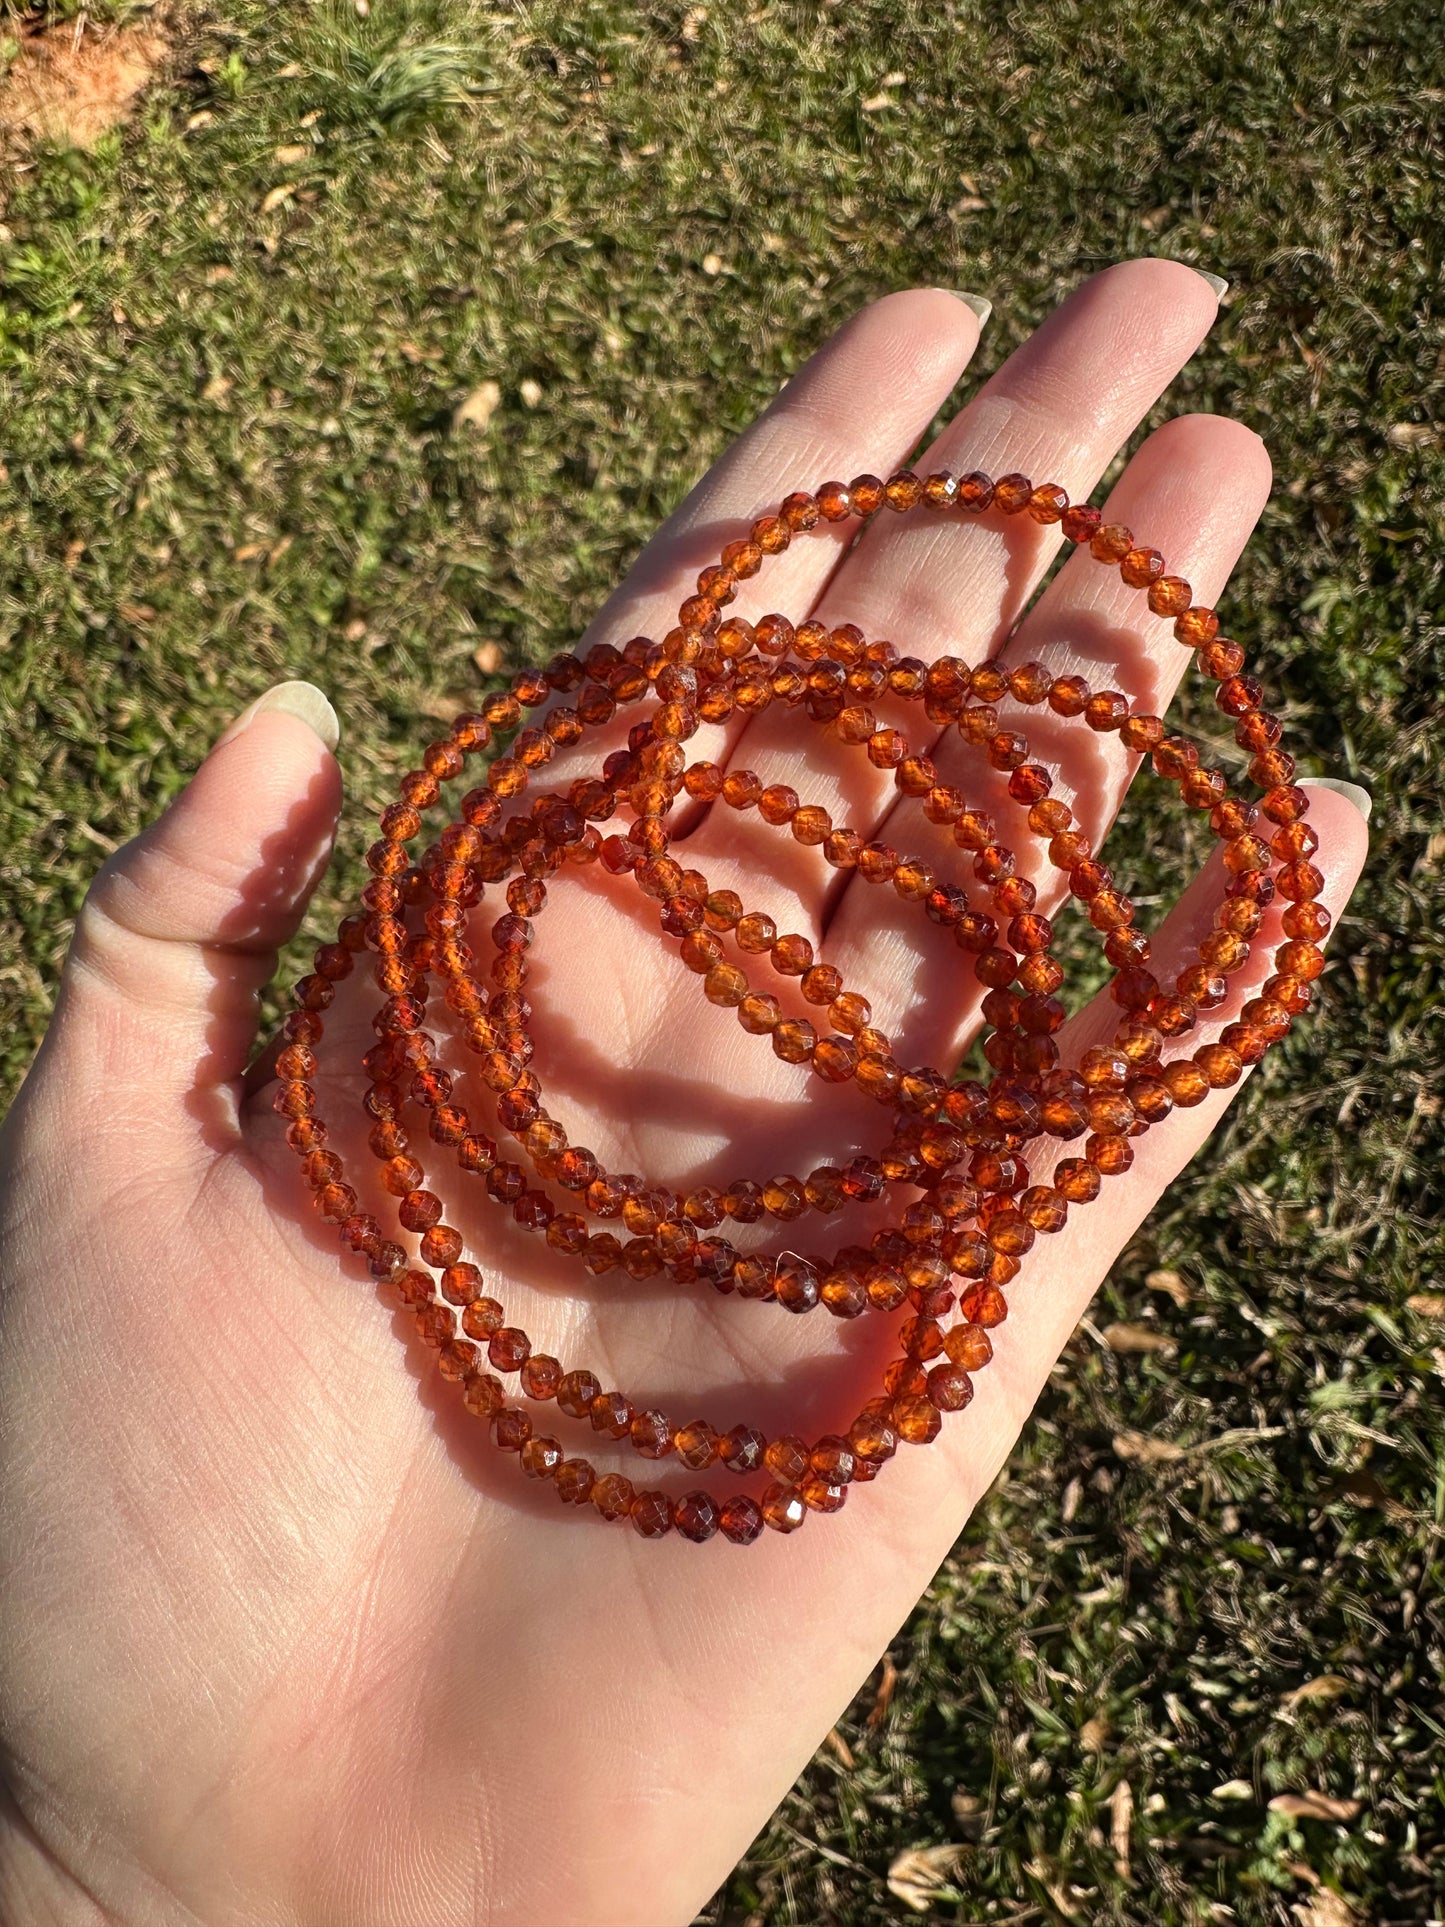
pixel 960 1146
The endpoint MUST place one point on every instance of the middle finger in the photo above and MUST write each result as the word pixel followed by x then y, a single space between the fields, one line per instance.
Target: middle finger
pixel 1059 408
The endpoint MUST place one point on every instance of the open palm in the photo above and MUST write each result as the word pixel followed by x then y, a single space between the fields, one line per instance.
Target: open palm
pixel 283 1639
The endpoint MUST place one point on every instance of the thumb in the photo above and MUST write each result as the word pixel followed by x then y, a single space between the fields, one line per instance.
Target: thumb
pixel 179 932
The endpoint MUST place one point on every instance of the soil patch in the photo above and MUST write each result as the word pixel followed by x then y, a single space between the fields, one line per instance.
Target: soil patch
pixel 70 83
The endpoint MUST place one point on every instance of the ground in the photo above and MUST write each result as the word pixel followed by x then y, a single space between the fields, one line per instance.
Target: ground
pixel 1185 1665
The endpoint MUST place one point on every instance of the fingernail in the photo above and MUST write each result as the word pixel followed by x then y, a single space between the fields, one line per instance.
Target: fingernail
pixel 300 699
pixel 1216 281
pixel 1351 792
pixel 981 307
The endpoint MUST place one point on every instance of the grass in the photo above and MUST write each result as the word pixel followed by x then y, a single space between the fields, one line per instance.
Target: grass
pixel 231 342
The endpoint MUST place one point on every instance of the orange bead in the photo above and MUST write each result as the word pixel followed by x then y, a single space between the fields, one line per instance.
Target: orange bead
pixel 741 1520
pixel 613 1496
pixel 783 1508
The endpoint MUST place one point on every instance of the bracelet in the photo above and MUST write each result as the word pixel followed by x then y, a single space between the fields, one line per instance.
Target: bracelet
pixel 962 1147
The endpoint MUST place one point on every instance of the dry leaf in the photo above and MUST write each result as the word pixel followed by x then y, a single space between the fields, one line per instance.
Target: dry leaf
pixel 488 658
pixel 918 1876
pixel 248 551
pixel 839 1748
pixel 1233 1790
pixel 1121 1810
pixel 531 393
pixel 1427 1304
pixel 969 1814
pixel 1412 434
pixel 1328 1686
pixel 277 195
pixel 479 407
pixel 217 388
pixel 1363 1488
pixel 1315 1806
pixel 218 274
pixel 1325 1909
pixel 1093 1733
pixel 883 1698
pixel 1127 1339
pixel 288 156
pixel 1171 1284
pixel 1144 1450
pixel 138 613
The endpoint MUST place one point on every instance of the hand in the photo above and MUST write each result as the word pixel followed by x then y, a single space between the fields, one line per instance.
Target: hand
pixel 283 1638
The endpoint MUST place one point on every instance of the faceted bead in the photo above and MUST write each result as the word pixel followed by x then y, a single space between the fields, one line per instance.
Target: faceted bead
pixel 697 1445
pixel 540 1376
pixel 482 1394
pixel 651 1434
pixel 756 933
pixel 787 1459
pixel 783 1508
pixel 949 1388
pixel 1300 882
pixel 651 1514
pixel 613 1496
pixel 742 1449
pixel 777 803
pixel 696 1516
pixel 508 1349
pixel 968 1346
pixel 725 985
pixel 793 1040
pixel 611 1414
pixel 1011 493
pixel 1048 502
pixel 541 1457
pixel 574 1479
pixel 917 1419
pixel 833 1459
pixel 740 1520
pixel 866 493
pixel 792 955
pixel 575 1393
pixel 1141 567
pixel 1308 920
pixel 511 1428
pixel 1170 595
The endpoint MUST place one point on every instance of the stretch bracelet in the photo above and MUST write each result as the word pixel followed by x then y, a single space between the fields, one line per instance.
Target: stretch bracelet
pixel 957 1191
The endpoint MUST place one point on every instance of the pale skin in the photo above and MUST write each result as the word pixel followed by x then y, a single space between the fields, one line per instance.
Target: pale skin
pixel 282 1638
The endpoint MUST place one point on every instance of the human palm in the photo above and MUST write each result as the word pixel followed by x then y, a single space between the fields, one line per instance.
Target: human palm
pixel 283 1639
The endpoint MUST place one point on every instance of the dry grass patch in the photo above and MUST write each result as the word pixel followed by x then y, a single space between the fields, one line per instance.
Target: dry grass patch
pixel 70 83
